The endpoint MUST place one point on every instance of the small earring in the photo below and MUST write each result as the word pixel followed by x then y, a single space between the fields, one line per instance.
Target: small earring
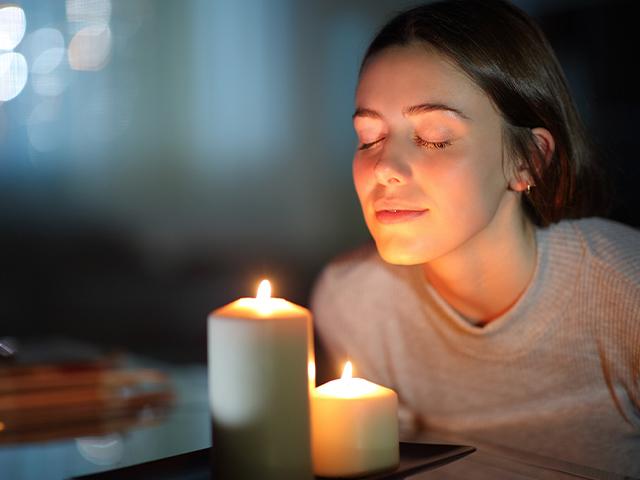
pixel 528 190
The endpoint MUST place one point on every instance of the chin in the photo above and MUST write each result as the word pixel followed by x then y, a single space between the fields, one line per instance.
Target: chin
pixel 399 256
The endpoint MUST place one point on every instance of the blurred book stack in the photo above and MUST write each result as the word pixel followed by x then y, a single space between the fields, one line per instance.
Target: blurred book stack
pixel 40 402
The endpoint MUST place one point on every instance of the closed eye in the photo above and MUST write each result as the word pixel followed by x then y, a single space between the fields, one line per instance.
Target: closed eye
pixel 366 146
pixel 431 145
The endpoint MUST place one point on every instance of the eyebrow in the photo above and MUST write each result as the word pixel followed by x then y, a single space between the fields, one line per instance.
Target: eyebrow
pixel 412 110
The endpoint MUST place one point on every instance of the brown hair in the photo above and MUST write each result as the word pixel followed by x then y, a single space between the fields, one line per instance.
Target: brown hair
pixel 506 54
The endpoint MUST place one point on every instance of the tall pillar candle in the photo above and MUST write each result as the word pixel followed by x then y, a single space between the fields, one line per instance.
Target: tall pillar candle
pixel 259 353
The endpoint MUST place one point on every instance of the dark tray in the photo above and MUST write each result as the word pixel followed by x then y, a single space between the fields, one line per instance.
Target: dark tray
pixel 414 458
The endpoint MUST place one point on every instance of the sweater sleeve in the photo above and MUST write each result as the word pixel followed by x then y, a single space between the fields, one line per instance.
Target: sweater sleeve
pixel 613 257
pixel 619 347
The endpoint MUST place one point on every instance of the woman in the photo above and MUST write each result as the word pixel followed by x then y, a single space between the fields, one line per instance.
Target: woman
pixel 491 304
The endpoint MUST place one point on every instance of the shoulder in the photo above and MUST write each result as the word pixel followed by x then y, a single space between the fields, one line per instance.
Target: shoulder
pixel 608 246
pixel 359 284
pixel 350 302
pixel 358 303
pixel 611 299
pixel 606 295
pixel 351 275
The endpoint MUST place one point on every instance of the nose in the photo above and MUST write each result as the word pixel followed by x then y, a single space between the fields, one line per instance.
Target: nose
pixel 391 168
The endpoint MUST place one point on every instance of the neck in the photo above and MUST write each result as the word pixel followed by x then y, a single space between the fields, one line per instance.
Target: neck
pixel 485 276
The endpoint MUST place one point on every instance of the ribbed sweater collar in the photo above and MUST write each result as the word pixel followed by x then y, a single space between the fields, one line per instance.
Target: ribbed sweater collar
pixel 537 311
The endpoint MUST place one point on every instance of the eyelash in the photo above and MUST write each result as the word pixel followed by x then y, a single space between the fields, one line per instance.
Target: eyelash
pixel 432 145
pixel 418 141
pixel 366 146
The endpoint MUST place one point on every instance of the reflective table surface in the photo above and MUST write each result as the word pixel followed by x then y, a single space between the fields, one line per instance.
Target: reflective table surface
pixel 185 427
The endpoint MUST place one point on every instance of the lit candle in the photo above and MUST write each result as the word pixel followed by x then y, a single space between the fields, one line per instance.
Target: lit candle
pixel 260 357
pixel 354 425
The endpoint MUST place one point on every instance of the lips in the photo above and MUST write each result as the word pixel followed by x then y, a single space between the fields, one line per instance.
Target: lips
pixel 388 216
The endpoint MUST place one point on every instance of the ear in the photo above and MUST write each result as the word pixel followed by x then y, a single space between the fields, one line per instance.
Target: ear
pixel 545 146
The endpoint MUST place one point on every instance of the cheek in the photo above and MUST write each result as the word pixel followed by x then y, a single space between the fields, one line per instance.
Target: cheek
pixel 470 193
pixel 362 177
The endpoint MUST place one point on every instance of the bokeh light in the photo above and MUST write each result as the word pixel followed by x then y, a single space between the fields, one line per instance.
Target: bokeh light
pixel 51 84
pixel 13 75
pixel 45 48
pixel 13 24
pixel 90 48
pixel 89 11
pixel 106 450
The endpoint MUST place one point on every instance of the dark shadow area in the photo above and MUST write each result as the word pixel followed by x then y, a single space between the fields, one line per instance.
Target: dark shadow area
pixel 93 285
pixel 595 46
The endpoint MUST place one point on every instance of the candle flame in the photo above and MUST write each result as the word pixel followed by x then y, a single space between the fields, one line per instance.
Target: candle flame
pixel 347 371
pixel 264 290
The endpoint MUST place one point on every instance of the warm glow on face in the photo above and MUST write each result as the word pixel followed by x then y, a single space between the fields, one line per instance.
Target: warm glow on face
pixel 347 371
pixel 448 166
pixel 264 290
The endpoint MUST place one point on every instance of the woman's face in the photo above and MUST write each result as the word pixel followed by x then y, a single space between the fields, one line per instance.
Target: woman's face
pixel 429 165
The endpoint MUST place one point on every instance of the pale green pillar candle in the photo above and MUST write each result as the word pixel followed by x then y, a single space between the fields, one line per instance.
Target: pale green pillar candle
pixel 259 350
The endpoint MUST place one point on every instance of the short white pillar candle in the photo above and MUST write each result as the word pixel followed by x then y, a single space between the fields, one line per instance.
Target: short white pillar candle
pixel 354 426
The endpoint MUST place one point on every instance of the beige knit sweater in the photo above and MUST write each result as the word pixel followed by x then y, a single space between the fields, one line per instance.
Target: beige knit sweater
pixel 558 374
